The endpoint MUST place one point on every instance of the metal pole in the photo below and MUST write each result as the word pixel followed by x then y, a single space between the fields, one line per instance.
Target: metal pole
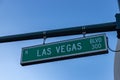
pixel 117 62
pixel 117 54
pixel 119 4
pixel 111 26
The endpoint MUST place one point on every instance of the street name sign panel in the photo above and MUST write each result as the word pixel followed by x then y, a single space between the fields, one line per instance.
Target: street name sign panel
pixel 79 47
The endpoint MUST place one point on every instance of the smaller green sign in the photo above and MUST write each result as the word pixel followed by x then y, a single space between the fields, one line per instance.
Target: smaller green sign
pixel 79 47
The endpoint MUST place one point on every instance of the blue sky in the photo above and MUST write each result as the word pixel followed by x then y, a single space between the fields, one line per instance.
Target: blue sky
pixel 23 16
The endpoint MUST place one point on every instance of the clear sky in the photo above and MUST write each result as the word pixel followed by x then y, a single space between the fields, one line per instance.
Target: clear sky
pixel 23 16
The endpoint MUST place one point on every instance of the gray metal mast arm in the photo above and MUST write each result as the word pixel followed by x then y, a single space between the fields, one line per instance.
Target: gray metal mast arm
pixel 111 26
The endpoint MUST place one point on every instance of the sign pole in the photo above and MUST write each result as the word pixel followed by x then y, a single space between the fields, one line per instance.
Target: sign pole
pixel 117 54
pixel 117 62
pixel 119 4
pixel 95 28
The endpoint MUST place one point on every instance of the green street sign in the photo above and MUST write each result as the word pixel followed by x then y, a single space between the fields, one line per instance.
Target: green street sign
pixel 80 47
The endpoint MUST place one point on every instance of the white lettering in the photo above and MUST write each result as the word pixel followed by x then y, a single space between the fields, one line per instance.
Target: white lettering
pixel 58 49
pixel 44 52
pixel 26 52
pixel 96 46
pixel 49 51
pixel 74 47
pixel 38 53
pixel 68 48
pixel 79 46
pixel 62 48
pixel 96 40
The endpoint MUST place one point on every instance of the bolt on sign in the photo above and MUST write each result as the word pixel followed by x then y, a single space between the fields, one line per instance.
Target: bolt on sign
pixel 79 47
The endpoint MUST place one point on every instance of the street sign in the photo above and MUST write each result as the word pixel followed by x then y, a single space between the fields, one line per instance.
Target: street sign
pixel 67 49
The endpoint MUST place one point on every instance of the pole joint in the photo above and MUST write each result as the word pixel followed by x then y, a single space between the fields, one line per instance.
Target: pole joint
pixel 118 24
